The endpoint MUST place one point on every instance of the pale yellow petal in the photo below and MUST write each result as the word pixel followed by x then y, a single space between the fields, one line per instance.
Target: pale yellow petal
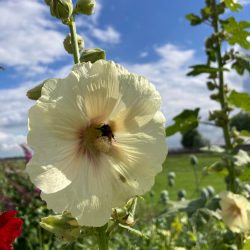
pixel 88 198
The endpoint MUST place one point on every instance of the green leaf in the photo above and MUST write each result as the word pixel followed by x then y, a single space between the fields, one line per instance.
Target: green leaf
pixel 232 5
pixel 242 63
pixel 194 20
pixel 240 100
pixel 186 120
pixel 237 33
pixel 203 68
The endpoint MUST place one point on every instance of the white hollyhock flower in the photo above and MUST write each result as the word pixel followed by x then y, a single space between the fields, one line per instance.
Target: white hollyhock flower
pixel 235 211
pixel 98 139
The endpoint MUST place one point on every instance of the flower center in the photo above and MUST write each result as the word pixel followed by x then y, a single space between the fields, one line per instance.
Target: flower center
pixel 234 210
pixel 95 138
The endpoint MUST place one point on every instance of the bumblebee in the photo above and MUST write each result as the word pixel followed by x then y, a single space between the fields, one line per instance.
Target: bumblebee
pixel 106 131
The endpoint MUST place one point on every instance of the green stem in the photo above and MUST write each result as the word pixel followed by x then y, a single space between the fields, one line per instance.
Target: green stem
pixel 223 97
pixel 73 35
pixel 102 237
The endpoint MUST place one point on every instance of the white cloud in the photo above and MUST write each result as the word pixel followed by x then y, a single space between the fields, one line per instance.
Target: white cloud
pixel 108 35
pixel 168 73
pixel 9 144
pixel 28 38
pixel 179 91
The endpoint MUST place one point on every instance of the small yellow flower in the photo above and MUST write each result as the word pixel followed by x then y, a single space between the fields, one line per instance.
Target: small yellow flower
pixel 98 140
pixel 235 211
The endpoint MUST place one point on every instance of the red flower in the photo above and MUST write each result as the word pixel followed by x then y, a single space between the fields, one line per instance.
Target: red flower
pixel 10 229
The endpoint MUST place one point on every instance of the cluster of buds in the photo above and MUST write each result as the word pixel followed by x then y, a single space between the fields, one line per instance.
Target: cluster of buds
pixel 64 9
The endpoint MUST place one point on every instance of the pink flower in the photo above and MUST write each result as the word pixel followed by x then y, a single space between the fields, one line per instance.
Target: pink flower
pixel 27 152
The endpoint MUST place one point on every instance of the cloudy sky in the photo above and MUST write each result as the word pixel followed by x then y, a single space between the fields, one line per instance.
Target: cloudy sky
pixel 151 38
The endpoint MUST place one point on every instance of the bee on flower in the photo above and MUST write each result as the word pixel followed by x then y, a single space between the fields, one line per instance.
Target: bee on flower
pixel 98 139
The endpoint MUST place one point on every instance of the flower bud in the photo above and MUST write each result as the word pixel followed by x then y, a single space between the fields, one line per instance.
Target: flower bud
pixel 171 182
pixel 63 226
pixel 193 160
pixel 171 175
pixel 35 93
pixel 85 7
pixel 204 194
pixel 69 46
pixel 182 194
pixel 92 55
pixel 62 9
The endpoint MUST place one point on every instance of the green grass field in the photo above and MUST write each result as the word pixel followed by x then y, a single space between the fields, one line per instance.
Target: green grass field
pixel 185 177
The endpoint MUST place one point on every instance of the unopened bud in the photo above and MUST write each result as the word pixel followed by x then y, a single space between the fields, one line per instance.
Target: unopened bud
pixel 61 9
pixel 182 194
pixel 92 55
pixel 63 226
pixel 193 160
pixel 35 93
pixel 69 46
pixel 85 7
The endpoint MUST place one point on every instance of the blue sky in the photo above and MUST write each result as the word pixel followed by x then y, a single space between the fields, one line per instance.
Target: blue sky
pixel 151 38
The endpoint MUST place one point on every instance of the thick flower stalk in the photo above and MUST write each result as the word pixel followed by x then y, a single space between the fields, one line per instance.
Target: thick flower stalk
pixel 235 211
pixel 98 140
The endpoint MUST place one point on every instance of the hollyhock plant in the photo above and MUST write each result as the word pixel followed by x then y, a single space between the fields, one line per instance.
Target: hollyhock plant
pixel 98 139
pixel 235 211
pixel 10 229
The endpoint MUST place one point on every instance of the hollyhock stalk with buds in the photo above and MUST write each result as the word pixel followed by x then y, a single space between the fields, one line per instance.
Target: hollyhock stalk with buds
pixel 100 141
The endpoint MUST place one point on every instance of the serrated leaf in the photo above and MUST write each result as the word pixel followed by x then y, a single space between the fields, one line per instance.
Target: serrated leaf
pixel 203 68
pixel 134 231
pixel 186 120
pixel 242 63
pixel 240 100
pixel 237 33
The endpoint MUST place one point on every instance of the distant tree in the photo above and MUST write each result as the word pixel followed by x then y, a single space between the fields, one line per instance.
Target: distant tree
pixel 193 139
pixel 241 121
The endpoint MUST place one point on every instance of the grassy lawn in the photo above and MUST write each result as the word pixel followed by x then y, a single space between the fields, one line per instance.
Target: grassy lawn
pixel 185 178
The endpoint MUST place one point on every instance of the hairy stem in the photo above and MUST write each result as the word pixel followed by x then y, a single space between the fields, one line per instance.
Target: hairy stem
pixel 222 96
pixel 73 35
